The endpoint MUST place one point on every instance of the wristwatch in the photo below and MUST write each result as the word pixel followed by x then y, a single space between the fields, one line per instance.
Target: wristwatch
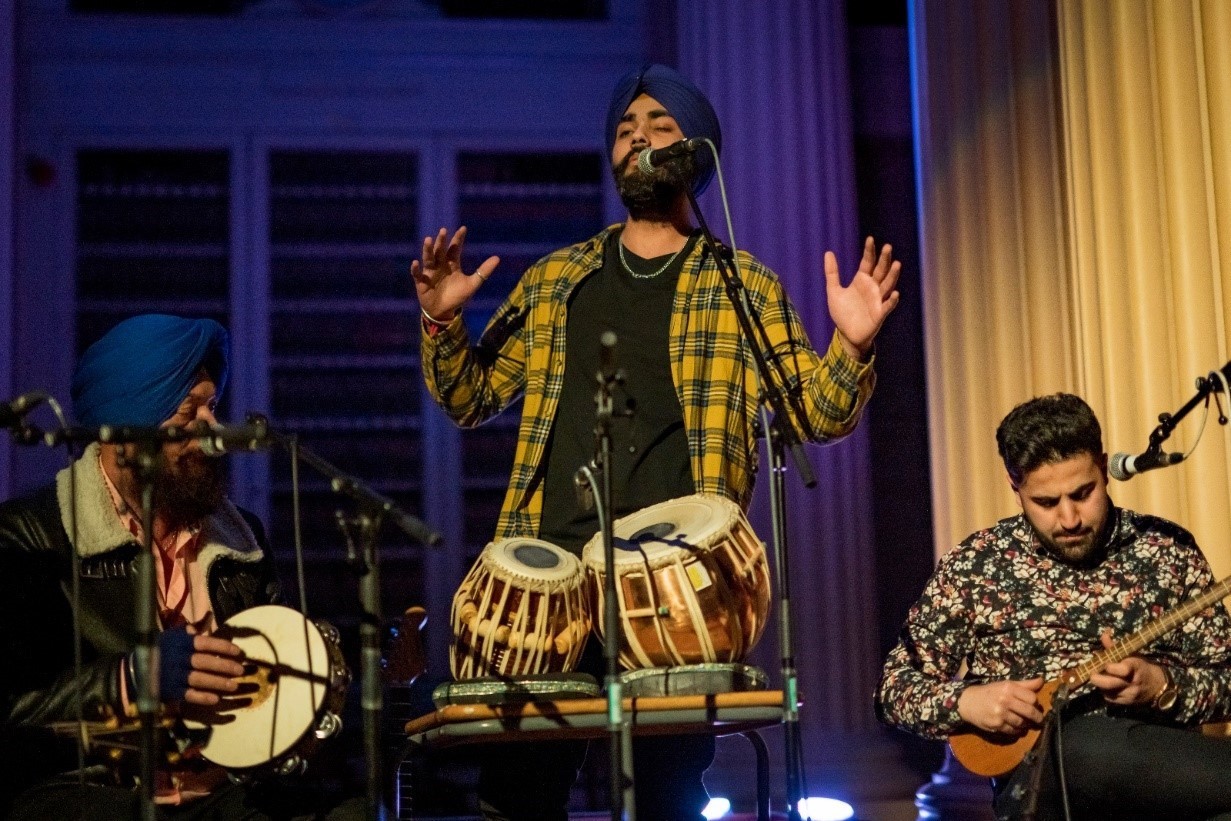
pixel 1166 698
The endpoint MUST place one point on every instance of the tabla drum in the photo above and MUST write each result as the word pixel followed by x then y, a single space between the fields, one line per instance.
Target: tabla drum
pixel 289 700
pixel 692 583
pixel 522 609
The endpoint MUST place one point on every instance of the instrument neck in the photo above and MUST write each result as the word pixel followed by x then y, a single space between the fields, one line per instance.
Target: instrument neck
pixel 1146 635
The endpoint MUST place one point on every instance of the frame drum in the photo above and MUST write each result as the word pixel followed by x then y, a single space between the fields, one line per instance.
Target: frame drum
pixel 289 701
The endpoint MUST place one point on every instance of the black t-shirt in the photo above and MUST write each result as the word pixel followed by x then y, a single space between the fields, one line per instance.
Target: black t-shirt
pixel 632 298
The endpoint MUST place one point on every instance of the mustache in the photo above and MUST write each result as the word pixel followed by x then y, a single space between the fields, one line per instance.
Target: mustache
pixel 623 164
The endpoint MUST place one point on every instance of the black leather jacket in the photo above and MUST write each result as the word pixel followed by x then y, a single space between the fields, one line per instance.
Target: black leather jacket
pixel 39 684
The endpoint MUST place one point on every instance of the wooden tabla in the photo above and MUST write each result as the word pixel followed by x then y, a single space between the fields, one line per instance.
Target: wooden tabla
pixel 522 609
pixel 693 583
pixel 289 701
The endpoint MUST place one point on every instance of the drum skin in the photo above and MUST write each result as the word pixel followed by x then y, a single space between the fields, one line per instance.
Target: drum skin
pixel 290 699
pixel 692 582
pixel 521 610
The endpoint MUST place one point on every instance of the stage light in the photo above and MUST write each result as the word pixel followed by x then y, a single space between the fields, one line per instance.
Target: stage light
pixel 825 809
pixel 717 808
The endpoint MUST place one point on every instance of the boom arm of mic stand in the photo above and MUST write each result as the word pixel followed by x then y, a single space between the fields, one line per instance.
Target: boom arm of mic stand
pixel 348 485
pixel 758 343
pixel 374 508
pixel 1168 421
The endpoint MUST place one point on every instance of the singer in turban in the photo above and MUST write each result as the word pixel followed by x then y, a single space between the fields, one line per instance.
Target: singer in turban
pixel 210 562
pixel 657 288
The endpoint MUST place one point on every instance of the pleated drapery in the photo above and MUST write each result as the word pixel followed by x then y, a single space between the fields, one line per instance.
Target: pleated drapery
pixel 1075 198
pixel 777 74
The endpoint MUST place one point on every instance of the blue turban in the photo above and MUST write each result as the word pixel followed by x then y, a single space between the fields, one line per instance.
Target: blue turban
pixel 682 99
pixel 141 370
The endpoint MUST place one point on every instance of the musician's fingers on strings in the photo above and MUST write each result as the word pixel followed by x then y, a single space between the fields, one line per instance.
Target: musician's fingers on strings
pixel 1028 709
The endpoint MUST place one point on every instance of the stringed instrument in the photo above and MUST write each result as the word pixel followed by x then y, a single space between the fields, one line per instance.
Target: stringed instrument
pixel 994 754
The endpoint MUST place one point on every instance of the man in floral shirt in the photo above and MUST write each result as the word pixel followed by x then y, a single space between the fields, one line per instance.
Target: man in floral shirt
pixel 1041 592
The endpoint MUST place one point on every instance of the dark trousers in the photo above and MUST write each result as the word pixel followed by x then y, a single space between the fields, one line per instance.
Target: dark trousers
pixel 532 781
pixel 66 800
pixel 1125 769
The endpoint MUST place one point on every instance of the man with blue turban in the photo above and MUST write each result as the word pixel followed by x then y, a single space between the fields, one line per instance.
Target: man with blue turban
pixel 211 562
pixel 652 283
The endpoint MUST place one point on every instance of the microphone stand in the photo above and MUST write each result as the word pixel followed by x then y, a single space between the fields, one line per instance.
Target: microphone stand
pixel 623 791
pixel 148 441
pixel 361 531
pixel 783 438
pixel 1036 759
pixel 145 658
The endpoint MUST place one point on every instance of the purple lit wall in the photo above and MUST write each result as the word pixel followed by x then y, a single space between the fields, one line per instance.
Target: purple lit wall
pixel 817 154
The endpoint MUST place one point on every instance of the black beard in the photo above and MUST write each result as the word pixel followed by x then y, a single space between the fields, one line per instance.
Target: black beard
pixel 190 488
pixel 654 196
pixel 1088 553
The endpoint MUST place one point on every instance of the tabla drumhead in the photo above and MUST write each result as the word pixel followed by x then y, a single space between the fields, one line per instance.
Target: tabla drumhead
pixel 533 558
pixel 654 533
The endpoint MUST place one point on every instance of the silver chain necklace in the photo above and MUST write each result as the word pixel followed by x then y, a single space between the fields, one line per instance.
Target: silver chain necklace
pixel 632 273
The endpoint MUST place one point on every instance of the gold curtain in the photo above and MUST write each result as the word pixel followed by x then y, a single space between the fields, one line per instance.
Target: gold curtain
pixel 1075 196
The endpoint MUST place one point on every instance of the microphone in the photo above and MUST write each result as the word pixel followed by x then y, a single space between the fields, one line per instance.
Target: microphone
pixel 1125 467
pixel 11 413
pixel 649 159
pixel 607 370
pixel 224 439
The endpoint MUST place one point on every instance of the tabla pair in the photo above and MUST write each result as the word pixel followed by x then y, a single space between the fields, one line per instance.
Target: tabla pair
pixel 693 587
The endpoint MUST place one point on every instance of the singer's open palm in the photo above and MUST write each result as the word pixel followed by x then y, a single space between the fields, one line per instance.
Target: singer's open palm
pixel 859 309
pixel 440 283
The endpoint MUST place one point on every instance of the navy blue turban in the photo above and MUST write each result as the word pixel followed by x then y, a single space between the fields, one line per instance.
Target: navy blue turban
pixel 141 370
pixel 683 101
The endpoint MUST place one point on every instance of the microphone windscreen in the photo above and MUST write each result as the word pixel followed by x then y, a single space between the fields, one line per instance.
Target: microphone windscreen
pixel 643 162
pixel 1118 467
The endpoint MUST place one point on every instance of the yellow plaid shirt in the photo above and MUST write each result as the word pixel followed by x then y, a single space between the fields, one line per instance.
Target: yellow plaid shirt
pixel 522 352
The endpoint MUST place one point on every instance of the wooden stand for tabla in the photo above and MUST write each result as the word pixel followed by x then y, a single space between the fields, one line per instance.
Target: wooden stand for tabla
pixel 584 718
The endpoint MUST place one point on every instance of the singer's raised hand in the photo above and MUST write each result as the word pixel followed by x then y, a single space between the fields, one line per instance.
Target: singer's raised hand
pixel 441 284
pixel 859 309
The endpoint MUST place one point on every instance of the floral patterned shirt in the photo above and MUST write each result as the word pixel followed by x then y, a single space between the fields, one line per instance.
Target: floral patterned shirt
pixel 1009 609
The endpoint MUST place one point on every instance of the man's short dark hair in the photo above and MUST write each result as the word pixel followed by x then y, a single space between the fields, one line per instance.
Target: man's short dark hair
pixel 1045 430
